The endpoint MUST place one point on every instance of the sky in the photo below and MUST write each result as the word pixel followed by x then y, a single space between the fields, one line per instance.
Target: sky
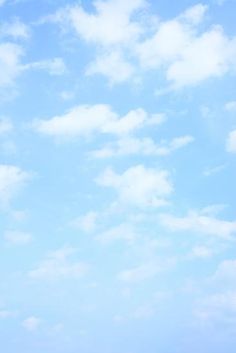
pixel 117 176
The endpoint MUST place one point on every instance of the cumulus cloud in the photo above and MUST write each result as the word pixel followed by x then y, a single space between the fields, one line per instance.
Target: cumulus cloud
pixel 124 232
pixel 139 273
pixel 142 146
pixel 5 126
pixel 12 178
pixel 14 237
pixel 110 24
pixel 86 223
pixel 199 222
pixel 113 66
pixel 125 44
pixel 58 265
pixel 84 120
pixel 10 63
pixel 188 55
pixel 139 186
pixel 14 29
pixel 230 106
pixel 54 67
pixel 231 142
pixel 31 323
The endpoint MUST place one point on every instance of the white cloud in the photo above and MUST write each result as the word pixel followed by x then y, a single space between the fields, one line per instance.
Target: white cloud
pixel 139 273
pixel 110 24
pixel 10 63
pixel 139 186
pixel 31 323
pixel 213 170
pixel 4 314
pixel 201 251
pixel 142 146
pixel 12 179
pixel 84 120
pixel 86 223
pixel 230 106
pixel 5 126
pixel 17 237
pixel 123 232
pixel 188 56
pixel 199 222
pixel 15 29
pixel 54 67
pixel 226 272
pixel 231 142
pixel 113 66
pixel 58 265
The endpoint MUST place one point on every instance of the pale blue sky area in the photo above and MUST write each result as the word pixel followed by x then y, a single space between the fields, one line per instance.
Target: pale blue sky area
pixel 117 176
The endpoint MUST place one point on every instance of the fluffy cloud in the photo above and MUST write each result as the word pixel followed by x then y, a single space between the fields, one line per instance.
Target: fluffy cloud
pixel 230 106
pixel 139 273
pixel 199 222
pixel 139 186
pixel 189 57
pixel 10 63
pixel 142 146
pixel 55 67
pixel 231 142
pixel 5 126
pixel 85 120
pixel 17 237
pixel 178 47
pixel 11 180
pixel 110 24
pixel 31 323
pixel 86 223
pixel 113 66
pixel 123 232
pixel 58 265
pixel 14 29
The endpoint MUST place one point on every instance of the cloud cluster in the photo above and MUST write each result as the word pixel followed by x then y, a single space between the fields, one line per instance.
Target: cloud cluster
pixel 139 186
pixel 201 223
pixel 58 265
pixel 12 178
pixel 85 120
pixel 126 45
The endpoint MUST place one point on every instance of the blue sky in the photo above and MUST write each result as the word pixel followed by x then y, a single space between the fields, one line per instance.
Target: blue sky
pixel 117 173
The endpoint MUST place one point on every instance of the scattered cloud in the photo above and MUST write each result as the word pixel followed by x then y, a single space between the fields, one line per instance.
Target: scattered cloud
pixel 230 106
pixel 113 66
pixel 31 324
pixel 14 237
pixel 12 178
pixel 139 186
pixel 231 142
pixel 213 170
pixel 141 273
pixel 199 222
pixel 109 25
pixel 86 223
pixel 85 120
pixel 14 29
pixel 142 146
pixel 10 63
pixel 124 232
pixel 5 126
pixel 54 67
pixel 5 314
pixel 126 45
pixel 58 265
